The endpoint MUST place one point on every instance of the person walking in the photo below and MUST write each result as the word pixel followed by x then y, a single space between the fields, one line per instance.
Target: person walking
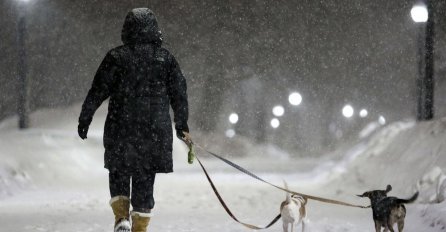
pixel 142 79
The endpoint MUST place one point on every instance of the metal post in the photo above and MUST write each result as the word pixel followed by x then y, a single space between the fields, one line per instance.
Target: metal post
pixel 420 91
pixel 425 80
pixel 22 69
pixel 429 62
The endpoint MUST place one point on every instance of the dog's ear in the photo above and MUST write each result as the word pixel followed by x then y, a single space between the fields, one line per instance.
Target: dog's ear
pixel 389 188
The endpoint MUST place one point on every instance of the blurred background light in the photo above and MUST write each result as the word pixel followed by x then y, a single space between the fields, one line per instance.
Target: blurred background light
pixel 233 118
pixel 275 123
pixel 278 111
pixel 419 13
pixel 295 99
pixel 363 113
pixel 382 120
pixel 348 111
pixel 230 133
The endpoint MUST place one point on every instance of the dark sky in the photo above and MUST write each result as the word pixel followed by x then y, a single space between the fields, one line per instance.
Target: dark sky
pixel 334 52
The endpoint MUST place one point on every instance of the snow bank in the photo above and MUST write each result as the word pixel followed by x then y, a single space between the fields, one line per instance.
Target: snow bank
pixel 50 153
pixel 399 154
pixel 410 156
pixel 432 186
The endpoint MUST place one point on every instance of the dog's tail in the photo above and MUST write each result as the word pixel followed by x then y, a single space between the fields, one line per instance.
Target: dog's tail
pixel 410 200
pixel 288 195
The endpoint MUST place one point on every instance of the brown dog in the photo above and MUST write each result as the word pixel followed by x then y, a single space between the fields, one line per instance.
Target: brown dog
pixel 387 210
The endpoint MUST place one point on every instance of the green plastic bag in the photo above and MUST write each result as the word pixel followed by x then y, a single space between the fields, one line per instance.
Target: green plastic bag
pixel 191 154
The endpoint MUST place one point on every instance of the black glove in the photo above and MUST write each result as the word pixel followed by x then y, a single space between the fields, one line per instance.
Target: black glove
pixel 185 137
pixel 82 130
pixel 180 134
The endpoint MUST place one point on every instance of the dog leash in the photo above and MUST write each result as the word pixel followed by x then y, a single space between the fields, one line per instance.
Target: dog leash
pixel 243 170
pixel 222 202
pixel 190 159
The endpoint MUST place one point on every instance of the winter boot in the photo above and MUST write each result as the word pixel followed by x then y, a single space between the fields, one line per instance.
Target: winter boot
pixel 121 207
pixel 140 221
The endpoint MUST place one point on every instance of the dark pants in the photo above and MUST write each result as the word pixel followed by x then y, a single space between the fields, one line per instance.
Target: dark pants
pixel 141 189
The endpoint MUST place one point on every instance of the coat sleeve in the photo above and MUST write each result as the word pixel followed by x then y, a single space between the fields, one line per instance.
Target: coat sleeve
pixel 177 91
pixel 100 89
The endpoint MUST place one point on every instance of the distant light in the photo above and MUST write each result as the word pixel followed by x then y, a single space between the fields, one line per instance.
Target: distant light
pixel 233 118
pixel 419 13
pixel 275 123
pixel 382 120
pixel 230 133
pixel 23 0
pixel 348 111
pixel 278 111
pixel 295 99
pixel 363 113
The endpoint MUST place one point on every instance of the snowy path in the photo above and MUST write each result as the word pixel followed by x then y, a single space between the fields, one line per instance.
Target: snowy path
pixel 52 181
pixel 192 207
pixel 185 203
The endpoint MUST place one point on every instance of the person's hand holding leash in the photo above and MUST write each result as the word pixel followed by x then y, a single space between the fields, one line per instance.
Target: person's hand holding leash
pixel 185 137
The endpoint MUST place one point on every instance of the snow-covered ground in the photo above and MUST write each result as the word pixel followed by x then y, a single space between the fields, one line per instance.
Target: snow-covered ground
pixel 50 180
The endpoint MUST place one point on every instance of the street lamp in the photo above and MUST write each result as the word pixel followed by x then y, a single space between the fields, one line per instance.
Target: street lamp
pixel 348 111
pixel 382 120
pixel 422 15
pixel 278 110
pixel 233 118
pixel 22 69
pixel 230 133
pixel 275 123
pixel 295 99
pixel 419 13
pixel 363 113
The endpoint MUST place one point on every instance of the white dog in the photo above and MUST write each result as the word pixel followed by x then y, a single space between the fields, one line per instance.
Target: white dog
pixel 293 211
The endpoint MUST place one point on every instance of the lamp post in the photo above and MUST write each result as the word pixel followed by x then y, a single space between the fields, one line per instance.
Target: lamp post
pixel 422 15
pixel 22 69
pixel 429 62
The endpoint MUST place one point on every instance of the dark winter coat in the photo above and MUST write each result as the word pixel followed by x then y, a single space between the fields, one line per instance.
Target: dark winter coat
pixel 142 80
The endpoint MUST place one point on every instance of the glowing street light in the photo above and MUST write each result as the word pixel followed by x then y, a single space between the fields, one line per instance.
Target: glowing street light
pixel 230 133
pixel 233 118
pixel 348 111
pixel 419 13
pixel 382 120
pixel 295 99
pixel 278 111
pixel 363 113
pixel 275 123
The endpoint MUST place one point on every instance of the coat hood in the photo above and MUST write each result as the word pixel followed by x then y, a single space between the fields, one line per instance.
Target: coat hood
pixel 141 26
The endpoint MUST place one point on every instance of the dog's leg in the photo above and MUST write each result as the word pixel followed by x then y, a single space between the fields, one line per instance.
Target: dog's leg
pixel 285 227
pixel 292 227
pixel 303 225
pixel 389 225
pixel 400 226
pixel 377 226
